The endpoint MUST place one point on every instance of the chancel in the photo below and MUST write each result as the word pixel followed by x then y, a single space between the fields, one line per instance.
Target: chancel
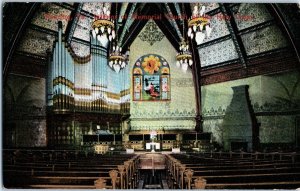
pixel 136 95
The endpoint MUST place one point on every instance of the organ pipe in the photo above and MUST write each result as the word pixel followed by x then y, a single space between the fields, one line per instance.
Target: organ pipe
pixel 80 85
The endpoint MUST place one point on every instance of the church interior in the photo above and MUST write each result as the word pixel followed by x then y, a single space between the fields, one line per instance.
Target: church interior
pixel 136 95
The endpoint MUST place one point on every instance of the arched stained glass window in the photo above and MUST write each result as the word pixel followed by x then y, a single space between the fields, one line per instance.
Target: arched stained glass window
pixel 151 78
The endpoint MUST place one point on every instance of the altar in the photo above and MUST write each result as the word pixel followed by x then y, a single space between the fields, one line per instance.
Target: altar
pixel 153 146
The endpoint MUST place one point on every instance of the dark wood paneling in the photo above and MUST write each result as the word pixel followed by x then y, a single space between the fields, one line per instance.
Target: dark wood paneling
pixel 29 65
pixel 265 64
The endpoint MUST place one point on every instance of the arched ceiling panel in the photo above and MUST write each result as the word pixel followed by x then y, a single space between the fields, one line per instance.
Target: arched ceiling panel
pixel 263 40
pixel 219 27
pixel 218 53
pixel 83 28
pixel 80 49
pixel 247 15
pixel 36 42
pixel 93 7
pixel 48 16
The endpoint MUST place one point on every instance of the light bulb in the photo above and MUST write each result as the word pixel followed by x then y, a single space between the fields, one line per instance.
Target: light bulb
pixel 96 30
pixel 108 30
pixel 208 30
pixel 201 27
pixel 113 34
pixel 117 68
pixel 94 33
pixel 190 62
pixel 194 28
pixel 177 64
pixel 189 31
pixel 123 64
pixel 199 37
pixel 102 29
pixel 184 66
pixel 111 63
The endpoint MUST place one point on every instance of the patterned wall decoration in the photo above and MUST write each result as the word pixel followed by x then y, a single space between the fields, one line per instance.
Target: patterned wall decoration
pixel 217 53
pixel 80 49
pixel 151 78
pixel 159 110
pixel 183 82
pixel 220 111
pixel 151 34
pixel 83 28
pixel 265 39
pixel 36 42
pixel 250 14
pixel 169 124
pixel 49 15
pixel 219 27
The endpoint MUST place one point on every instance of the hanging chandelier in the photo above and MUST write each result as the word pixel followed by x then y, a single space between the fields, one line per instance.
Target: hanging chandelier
pixel 199 24
pixel 103 26
pixel 184 57
pixel 117 60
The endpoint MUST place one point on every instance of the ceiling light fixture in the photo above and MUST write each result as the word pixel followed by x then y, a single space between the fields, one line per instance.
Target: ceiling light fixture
pixel 117 60
pixel 103 25
pixel 184 57
pixel 199 24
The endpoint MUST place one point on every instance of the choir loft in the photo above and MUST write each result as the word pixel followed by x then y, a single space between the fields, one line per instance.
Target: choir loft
pixel 136 95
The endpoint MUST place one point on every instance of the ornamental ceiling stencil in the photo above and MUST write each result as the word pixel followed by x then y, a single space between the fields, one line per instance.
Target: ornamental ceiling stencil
pixel 151 33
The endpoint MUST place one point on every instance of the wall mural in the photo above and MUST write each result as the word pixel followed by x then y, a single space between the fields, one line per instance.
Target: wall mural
pixel 151 78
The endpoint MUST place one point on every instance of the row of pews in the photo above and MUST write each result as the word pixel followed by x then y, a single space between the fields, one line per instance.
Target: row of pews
pixel 69 169
pixel 229 170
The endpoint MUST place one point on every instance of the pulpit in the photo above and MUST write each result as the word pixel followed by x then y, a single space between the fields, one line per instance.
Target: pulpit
pixel 153 146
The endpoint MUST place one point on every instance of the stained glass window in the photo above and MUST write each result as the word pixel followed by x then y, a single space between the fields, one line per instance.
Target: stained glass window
pixel 151 78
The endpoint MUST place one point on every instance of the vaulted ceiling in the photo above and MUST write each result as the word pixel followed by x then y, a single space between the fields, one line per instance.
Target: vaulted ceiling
pixel 29 29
